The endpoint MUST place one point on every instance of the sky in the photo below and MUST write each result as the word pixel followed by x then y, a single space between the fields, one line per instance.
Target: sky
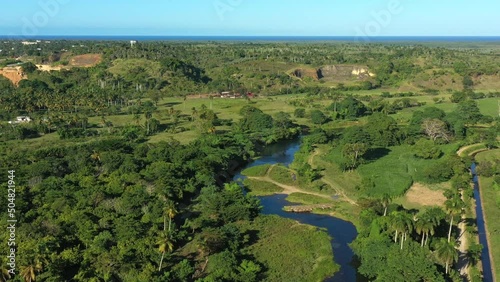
pixel 251 17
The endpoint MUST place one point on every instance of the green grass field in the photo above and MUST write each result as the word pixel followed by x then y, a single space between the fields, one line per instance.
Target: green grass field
pixel 489 107
pixel 261 188
pixel 393 173
pixel 307 199
pixel 257 171
pixel 283 175
pixel 228 109
pixel 300 254
pixel 491 209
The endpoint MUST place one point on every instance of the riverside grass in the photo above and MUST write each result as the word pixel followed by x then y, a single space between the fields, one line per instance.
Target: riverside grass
pixel 491 209
pixel 302 251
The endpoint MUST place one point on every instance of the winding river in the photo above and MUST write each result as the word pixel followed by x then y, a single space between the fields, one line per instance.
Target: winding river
pixel 341 231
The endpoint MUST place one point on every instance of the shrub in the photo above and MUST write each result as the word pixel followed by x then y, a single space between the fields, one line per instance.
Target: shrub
pixel 300 113
pixel 486 169
pixel 426 149
pixel 317 117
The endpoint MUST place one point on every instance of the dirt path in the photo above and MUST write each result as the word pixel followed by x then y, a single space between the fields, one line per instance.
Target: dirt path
pixel 465 148
pixel 463 260
pixel 463 264
pixel 287 189
pixel 340 192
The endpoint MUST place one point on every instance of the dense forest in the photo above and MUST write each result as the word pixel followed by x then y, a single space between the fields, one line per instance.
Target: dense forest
pixel 124 171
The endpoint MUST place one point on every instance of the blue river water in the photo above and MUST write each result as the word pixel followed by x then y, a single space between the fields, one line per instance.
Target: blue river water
pixel 342 232
pixel 485 256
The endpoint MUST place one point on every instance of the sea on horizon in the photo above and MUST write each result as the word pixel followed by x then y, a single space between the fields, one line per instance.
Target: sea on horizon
pixel 380 39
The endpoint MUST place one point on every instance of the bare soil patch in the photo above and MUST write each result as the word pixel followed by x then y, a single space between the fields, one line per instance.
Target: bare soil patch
pixel 48 68
pixel 13 74
pixel 87 60
pixel 422 195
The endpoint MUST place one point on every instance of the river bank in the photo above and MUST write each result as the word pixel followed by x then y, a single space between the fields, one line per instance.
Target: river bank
pixel 341 231
pixel 486 257
pixel 486 240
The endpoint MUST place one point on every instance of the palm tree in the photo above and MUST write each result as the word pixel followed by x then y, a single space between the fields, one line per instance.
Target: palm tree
pixel 137 118
pixel 407 221
pixel 435 215
pixel 103 121
pixel 421 226
pixel 446 253
pixel 148 115
pixel 170 212
pixel 29 272
pixel 424 224
pixel 395 225
pixel 194 112
pixel 96 156
pixel 165 244
pixel 335 96
pixel 454 206
pixel 401 223
pixel 385 201
pixel 211 101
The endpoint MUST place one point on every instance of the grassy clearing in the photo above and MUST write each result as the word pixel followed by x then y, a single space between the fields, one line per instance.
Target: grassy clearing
pixel 123 66
pixel 307 199
pixel 393 173
pixel 183 137
pixel 261 188
pixel 332 174
pixel 229 109
pixel 291 251
pixel 396 172
pixel 489 106
pixel 283 175
pixel 491 209
pixel 256 171
pixel 48 140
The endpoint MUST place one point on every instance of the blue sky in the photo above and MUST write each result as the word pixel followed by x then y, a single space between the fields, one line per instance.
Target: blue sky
pixel 251 17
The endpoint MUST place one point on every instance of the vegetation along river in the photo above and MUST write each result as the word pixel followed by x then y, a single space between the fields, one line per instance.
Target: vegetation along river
pixel 342 232
pixel 485 255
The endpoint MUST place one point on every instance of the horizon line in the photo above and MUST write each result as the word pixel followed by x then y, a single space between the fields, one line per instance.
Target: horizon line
pixel 256 35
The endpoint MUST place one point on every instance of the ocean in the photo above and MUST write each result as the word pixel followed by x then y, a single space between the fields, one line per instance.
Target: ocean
pixel 378 39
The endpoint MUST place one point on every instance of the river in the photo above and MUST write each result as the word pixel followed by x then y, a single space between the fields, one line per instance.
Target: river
pixel 485 255
pixel 342 232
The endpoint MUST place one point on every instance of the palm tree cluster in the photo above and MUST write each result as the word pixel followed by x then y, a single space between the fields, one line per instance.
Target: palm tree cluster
pixel 166 239
pixel 422 225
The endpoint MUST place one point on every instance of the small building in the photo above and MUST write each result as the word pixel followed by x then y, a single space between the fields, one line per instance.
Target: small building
pixel 21 119
pixel 225 94
pixel 29 43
